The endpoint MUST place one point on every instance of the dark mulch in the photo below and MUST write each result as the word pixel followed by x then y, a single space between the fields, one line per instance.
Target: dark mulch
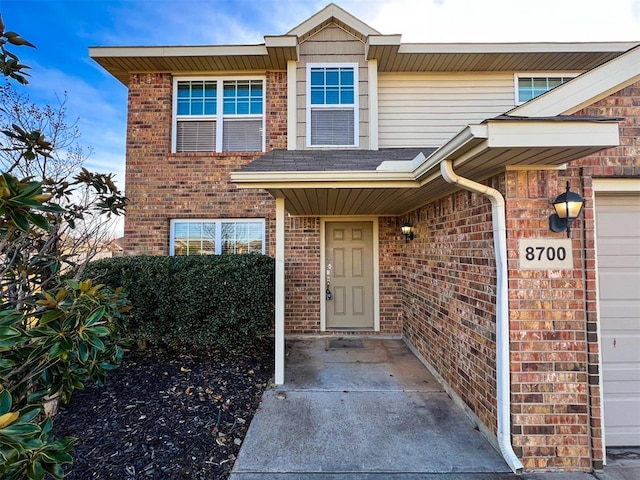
pixel 165 415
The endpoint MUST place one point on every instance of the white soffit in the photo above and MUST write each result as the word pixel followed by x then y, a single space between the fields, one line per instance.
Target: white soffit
pixel 586 89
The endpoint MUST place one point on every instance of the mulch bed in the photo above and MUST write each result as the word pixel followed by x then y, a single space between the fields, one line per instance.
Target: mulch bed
pixel 166 415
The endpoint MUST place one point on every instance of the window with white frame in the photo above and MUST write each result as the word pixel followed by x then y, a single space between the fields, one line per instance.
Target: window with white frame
pixel 217 237
pixel 532 86
pixel 219 115
pixel 332 106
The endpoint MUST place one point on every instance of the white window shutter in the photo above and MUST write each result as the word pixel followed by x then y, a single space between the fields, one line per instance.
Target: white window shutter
pixel 332 126
pixel 242 135
pixel 196 136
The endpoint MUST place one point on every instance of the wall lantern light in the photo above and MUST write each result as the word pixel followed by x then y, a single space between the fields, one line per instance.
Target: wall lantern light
pixel 568 207
pixel 407 231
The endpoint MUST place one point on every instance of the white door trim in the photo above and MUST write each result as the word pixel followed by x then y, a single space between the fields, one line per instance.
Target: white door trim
pixel 376 268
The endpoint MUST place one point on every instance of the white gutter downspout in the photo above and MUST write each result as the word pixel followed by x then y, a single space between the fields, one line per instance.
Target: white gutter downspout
pixel 502 309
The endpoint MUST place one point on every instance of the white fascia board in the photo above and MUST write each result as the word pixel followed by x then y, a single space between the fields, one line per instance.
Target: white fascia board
pixel 385 40
pixel 516 47
pixel 586 89
pixel 541 134
pixel 193 51
pixel 271 41
pixel 401 165
pixel 324 179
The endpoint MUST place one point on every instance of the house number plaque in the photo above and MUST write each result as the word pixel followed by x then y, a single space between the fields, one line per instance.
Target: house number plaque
pixel 545 254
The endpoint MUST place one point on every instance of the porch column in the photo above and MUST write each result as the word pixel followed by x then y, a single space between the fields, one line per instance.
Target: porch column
pixel 279 327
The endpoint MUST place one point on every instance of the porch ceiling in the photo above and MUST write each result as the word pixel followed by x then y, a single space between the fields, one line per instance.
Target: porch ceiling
pixel 396 187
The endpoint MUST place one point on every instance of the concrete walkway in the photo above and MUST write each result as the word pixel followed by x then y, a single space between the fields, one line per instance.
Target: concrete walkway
pixel 362 409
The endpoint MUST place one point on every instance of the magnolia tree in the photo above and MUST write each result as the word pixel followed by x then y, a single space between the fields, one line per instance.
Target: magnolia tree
pixel 56 332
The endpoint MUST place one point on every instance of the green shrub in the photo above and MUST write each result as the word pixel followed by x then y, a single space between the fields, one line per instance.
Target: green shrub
pixel 224 302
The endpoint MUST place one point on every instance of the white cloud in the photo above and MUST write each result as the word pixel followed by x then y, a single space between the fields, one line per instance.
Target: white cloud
pixel 502 20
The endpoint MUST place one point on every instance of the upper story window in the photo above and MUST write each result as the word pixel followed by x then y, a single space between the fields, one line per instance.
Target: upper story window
pixel 218 115
pixel 532 86
pixel 332 105
pixel 217 237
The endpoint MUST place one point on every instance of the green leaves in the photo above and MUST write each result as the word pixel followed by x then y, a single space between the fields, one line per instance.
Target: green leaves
pixel 225 302
pixel 9 63
pixel 54 335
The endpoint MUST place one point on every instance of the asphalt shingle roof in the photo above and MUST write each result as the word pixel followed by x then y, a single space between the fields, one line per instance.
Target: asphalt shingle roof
pixel 331 160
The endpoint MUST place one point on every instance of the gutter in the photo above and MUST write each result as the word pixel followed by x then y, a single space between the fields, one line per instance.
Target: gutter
pixel 502 309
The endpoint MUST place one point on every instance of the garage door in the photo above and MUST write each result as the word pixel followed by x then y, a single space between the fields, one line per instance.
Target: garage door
pixel 618 250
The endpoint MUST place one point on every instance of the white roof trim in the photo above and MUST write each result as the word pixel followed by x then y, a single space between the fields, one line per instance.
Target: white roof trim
pixel 332 11
pixel 193 51
pixel 401 165
pixel 505 47
pixel 586 89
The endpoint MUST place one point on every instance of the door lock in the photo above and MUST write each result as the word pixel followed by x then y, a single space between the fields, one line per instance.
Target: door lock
pixel 328 294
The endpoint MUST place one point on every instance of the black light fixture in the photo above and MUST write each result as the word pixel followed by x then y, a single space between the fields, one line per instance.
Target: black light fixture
pixel 568 207
pixel 407 231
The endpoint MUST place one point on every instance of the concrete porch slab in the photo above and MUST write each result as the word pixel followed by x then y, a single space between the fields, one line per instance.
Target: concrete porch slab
pixel 368 410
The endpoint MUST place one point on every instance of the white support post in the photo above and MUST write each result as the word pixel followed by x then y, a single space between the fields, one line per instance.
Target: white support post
pixel 292 103
pixel 373 103
pixel 279 328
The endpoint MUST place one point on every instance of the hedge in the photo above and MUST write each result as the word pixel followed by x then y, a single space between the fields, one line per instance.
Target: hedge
pixel 224 302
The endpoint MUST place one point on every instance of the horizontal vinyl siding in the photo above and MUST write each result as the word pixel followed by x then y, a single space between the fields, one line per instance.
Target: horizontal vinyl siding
pixel 332 45
pixel 426 110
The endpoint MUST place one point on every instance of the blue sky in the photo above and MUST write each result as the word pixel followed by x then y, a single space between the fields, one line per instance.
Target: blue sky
pixel 63 30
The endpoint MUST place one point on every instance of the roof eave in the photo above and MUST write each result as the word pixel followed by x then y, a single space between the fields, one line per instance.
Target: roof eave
pixel 477 152
pixel 121 62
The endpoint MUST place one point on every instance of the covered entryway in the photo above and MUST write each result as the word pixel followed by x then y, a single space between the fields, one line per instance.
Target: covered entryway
pixel 349 275
pixel 618 253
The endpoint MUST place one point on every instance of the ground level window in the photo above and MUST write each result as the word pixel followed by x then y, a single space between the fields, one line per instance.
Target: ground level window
pixel 217 237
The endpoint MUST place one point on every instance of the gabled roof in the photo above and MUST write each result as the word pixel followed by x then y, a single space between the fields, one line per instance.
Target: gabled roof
pixel 392 55
pixel 332 13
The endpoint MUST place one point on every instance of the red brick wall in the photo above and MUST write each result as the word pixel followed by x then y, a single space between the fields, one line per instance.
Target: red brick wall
pixel 449 296
pixel 548 335
pixel 557 414
pixel 391 246
pixel 302 275
pixel 162 185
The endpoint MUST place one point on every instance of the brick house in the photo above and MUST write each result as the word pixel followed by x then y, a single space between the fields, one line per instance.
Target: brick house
pixel 317 146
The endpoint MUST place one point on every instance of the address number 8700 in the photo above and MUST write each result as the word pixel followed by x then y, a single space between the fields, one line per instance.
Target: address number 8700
pixel 545 254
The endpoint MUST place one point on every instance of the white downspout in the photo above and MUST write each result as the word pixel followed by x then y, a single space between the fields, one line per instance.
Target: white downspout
pixel 502 309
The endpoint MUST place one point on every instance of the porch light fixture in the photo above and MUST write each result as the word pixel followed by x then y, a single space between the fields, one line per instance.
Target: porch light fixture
pixel 407 231
pixel 568 207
